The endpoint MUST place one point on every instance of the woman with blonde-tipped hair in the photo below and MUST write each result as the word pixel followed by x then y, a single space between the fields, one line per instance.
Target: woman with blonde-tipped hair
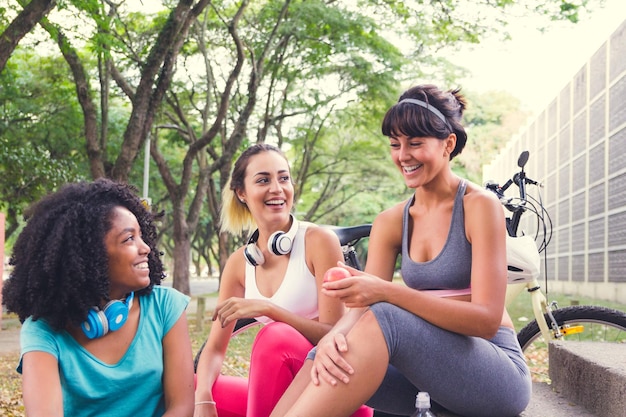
pixel 276 278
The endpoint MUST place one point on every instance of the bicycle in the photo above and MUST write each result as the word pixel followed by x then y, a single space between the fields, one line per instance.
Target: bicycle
pixel 551 322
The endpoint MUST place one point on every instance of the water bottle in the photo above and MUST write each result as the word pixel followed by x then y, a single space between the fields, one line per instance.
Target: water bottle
pixel 422 405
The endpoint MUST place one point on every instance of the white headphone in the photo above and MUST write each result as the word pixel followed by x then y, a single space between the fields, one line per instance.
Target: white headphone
pixel 279 243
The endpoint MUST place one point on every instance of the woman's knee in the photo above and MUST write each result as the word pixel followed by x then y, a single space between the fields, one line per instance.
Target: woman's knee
pixel 275 335
pixel 276 339
pixel 368 325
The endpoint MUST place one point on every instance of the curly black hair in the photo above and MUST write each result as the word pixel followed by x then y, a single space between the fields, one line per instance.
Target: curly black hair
pixel 60 260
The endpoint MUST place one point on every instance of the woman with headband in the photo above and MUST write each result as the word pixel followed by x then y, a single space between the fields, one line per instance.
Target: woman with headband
pixel 446 331
pixel 275 278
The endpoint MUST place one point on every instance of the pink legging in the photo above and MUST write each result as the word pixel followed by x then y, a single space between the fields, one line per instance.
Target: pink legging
pixel 278 353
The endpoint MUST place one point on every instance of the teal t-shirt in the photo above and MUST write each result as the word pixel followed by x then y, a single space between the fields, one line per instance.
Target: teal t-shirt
pixel 131 387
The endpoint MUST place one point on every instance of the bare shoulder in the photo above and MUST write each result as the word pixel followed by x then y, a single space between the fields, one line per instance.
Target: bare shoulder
pixel 479 198
pixel 482 208
pixel 387 225
pixel 391 214
pixel 322 249
pixel 319 235
pixel 235 268
pixel 235 258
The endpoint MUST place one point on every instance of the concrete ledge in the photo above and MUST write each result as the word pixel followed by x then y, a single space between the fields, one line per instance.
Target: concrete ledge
pixel 591 374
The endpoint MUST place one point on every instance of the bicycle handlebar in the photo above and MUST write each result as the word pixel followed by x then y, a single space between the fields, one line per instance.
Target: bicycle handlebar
pixel 519 205
pixel 520 179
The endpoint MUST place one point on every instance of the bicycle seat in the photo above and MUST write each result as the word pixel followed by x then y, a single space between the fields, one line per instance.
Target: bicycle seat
pixel 348 234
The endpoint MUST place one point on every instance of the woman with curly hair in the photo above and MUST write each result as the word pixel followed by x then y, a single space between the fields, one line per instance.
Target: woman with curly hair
pixel 99 335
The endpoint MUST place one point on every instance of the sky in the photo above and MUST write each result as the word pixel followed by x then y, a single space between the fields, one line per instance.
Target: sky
pixel 535 66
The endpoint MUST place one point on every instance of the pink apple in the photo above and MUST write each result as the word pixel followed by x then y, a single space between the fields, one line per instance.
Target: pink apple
pixel 335 273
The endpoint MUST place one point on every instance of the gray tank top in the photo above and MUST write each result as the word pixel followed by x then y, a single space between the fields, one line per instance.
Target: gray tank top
pixel 451 268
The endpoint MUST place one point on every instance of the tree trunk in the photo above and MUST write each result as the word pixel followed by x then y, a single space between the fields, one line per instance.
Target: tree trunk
pixel 24 22
pixel 182 252
pixel 85 98
pixel 156 76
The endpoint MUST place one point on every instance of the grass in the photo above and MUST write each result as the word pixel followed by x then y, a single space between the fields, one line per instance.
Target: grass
pixel 237 360
pixel 521 310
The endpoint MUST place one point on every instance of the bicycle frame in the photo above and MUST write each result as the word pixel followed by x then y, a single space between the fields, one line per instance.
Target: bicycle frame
pixel 540 306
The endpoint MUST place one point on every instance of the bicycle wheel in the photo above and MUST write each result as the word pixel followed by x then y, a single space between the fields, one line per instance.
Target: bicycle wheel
pixel 579 323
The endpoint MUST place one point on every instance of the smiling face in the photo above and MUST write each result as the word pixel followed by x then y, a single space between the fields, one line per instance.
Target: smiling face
pixel 268 189
pixel 420 159
pixel 127 254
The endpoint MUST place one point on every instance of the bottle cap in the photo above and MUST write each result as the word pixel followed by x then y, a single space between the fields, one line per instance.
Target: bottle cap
pixel 422 400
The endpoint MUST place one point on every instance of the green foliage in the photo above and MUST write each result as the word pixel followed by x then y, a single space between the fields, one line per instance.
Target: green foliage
pixel 350 177
pixel 490 120
pixel 41 131
pixel 27 175
pixel 317 79
pixel 38 105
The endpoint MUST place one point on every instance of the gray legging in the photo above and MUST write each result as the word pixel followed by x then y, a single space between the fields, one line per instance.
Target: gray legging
pixel 470 376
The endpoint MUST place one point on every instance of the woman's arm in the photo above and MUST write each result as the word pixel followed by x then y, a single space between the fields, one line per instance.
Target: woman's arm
pixel 322 252
pixel 41 385
pixel 482 315
pixel 178 370
pixel 383 249
pixel 212 355
pixel 371 286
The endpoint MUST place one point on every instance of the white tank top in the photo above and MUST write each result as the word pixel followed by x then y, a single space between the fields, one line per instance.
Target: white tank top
pixel 298 291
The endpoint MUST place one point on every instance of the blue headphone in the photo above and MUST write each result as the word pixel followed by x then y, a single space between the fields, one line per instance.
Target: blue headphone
pixel 110 318
pixel 279 243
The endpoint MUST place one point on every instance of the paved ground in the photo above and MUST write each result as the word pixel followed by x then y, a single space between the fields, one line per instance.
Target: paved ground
pixel 9 340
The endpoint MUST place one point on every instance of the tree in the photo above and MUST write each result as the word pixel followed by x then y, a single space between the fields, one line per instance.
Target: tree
pixel 39 133
pixel 491 120
pixel 283 48
pixel 156 70
pixel 272 70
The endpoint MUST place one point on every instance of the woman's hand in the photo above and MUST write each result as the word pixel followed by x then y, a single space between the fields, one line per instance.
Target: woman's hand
pixel 328 364
pixel 235 308
pixel 358 290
